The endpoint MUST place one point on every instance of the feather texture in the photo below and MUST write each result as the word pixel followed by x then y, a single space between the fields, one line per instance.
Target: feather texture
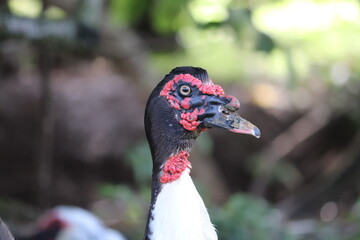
pixel 179 213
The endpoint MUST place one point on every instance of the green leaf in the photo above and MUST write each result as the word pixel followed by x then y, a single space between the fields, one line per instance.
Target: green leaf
pixel 264 43
pixel 166 15
pixel 127 12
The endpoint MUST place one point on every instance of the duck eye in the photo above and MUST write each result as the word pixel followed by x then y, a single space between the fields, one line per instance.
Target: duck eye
pixel 185 90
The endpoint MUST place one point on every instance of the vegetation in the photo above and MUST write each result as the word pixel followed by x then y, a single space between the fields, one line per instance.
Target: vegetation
pixel 75 75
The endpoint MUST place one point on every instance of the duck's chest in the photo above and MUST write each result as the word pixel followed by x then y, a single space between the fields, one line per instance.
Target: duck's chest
pixel 179 213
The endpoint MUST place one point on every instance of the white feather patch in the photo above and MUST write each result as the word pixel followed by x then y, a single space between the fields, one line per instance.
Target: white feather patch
pixel 179 213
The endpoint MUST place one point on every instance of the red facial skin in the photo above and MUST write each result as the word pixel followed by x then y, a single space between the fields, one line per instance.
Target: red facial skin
pixel 212 89
pixel 233 102
pixel 174 167
pixel 51 220
pixel 185 104
pixel 176 164
pixel 188 119
pixel 209 88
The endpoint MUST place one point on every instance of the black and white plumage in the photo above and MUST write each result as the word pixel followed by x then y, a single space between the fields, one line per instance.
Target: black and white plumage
pixel 72 223
pixel 5 234
pixel 185 103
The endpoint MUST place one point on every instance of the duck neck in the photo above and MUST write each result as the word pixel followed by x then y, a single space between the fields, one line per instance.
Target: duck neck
pixel 174 196
pixel 166 151
pixel 170 159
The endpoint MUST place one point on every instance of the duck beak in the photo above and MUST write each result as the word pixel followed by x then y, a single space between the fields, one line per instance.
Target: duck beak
pixel 243 126
pixel 230 120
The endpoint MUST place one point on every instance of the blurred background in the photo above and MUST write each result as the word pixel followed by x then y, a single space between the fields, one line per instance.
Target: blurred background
pixel 75 76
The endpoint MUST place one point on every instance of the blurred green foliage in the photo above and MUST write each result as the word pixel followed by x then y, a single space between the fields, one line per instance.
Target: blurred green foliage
pixel 133 207
pixel 139 158
pixel 283 41
pixel 127 12
pixel 244 217
pixel 25 8
pixel 296 44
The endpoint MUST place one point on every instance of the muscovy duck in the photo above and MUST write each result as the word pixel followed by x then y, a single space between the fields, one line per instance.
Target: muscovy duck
pixel 5 234
pixel 185 103
pixel 72 223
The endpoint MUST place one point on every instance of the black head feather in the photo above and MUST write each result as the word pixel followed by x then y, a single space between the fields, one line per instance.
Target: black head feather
pixel 197 72
pixel 161 126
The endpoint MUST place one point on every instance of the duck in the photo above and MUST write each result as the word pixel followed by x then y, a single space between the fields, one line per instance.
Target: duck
pixel 185 103
pixel 5 234
pixel 72 223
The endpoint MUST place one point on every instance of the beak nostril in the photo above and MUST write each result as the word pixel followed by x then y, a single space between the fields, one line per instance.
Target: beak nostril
pixel 231 108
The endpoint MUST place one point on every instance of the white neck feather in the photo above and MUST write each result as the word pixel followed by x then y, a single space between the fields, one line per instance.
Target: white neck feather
pixel 179 213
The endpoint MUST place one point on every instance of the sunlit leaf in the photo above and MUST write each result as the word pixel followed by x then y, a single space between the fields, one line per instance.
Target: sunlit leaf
pixel 25 8
pixel 55 13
